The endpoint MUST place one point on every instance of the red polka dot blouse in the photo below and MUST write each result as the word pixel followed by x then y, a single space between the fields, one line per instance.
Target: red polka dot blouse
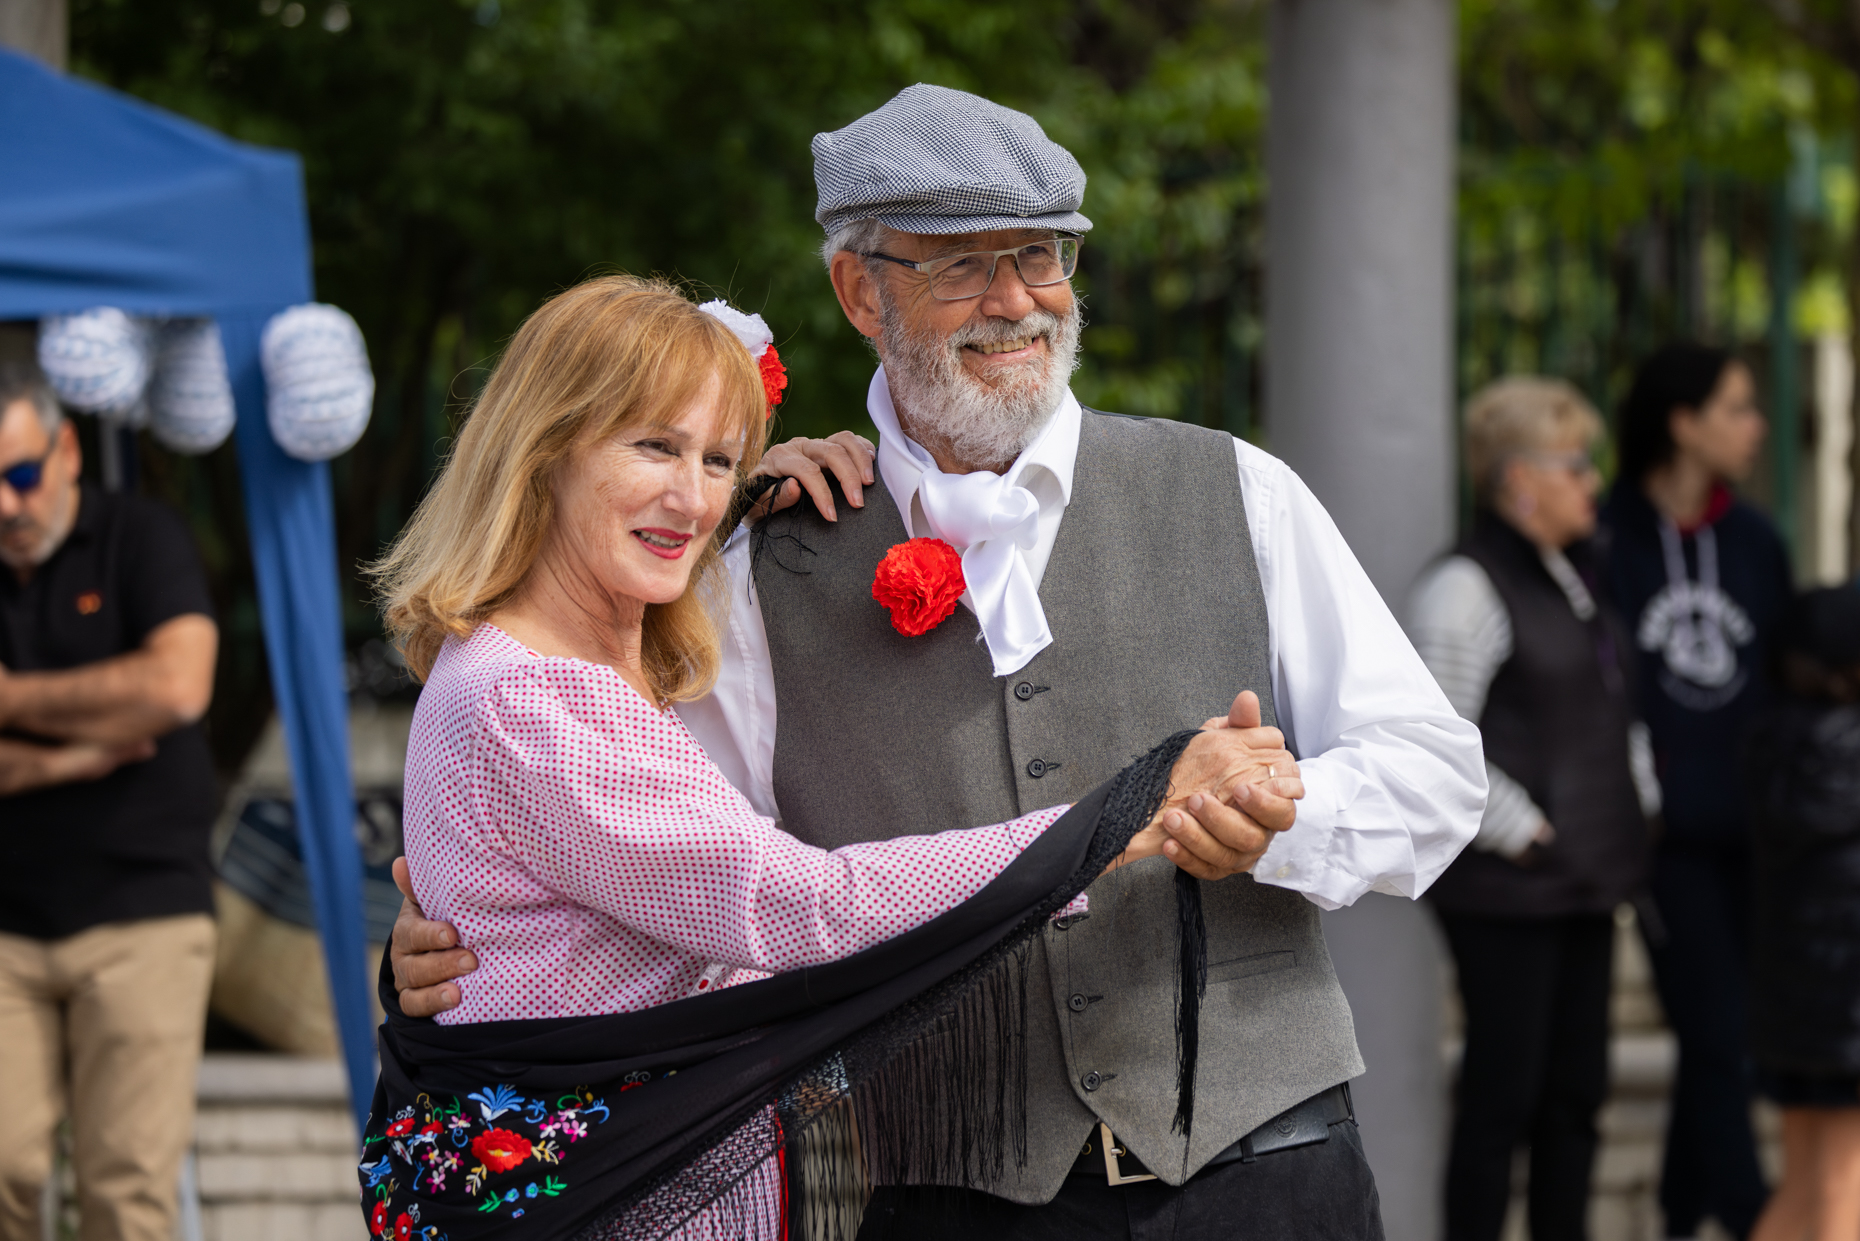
pixel 596 861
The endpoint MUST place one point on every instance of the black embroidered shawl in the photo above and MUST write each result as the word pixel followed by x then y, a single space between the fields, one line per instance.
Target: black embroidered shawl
pixel 627 1125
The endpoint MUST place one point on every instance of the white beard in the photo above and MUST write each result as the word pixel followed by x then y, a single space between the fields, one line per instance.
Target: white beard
pixel 975 420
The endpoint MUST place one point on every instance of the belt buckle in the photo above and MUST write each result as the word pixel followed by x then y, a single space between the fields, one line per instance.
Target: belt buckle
pixel 1112 1173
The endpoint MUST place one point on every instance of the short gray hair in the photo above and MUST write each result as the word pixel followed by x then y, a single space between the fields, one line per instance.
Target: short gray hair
pixel 24 381
pixel 1520 414
pixel 861 237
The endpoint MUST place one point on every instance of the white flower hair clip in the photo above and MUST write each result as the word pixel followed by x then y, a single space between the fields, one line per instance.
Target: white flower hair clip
pixel 760 341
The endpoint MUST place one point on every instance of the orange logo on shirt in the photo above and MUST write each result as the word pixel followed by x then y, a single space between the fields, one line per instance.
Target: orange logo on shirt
pixel 89 603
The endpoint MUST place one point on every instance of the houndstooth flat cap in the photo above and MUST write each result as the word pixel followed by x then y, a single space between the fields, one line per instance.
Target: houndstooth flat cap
pixel 940 161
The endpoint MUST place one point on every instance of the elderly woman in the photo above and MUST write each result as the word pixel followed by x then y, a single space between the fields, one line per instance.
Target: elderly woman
pixel 669 987
pixel 1512 627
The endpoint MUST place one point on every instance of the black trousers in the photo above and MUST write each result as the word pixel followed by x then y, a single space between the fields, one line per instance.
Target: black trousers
pixel 1322 1192
pixel 1535 1070
pixel 1700 949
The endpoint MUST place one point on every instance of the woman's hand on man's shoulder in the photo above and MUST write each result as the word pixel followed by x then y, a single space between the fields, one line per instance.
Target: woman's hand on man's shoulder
pixel 805 464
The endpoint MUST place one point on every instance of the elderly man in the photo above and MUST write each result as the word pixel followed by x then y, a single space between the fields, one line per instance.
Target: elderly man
pixel 1119 573
pixel 107 796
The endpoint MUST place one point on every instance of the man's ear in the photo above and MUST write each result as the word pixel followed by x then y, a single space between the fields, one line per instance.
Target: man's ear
pixel 857 291
pixel 71 447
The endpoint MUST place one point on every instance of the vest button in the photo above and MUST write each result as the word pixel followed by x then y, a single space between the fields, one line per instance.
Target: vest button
pixel 1024 691
pixel 1077 1003
pixel 1037 768
pixel 1091 1081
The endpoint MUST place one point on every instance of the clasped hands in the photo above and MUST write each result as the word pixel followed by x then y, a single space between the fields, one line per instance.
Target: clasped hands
pixel 1232 791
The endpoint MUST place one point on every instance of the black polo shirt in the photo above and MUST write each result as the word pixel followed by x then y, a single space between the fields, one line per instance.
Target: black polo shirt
pixel 133 844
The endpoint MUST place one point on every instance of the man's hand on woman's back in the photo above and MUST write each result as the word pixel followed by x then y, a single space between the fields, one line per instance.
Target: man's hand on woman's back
pixel 426 955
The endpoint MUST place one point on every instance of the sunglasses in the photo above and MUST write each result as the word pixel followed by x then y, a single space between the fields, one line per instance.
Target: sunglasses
pixel 26 475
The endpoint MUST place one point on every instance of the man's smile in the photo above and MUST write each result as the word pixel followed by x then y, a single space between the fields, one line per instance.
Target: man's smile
pixel 1008 349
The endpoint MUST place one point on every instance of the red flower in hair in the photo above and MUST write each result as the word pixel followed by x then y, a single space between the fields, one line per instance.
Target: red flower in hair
pixel 920 581
pixel 500 1150
pixel 774 377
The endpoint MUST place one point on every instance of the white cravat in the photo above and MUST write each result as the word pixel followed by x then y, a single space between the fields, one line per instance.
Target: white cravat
pixel 992 520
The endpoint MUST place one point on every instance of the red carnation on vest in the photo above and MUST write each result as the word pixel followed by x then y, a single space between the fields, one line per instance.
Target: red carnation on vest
pixel 920 582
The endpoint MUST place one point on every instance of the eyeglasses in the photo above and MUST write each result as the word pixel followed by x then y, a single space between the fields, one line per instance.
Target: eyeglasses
pixel 958 277
pixel 26 475
pixel 1578 463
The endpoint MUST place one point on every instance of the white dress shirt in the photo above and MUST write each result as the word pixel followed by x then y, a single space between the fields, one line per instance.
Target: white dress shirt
pixel 1394 778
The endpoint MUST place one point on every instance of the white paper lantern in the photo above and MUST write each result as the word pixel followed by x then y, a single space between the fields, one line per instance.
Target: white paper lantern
pixel 316 368
pixel 190 397
pixel 98 361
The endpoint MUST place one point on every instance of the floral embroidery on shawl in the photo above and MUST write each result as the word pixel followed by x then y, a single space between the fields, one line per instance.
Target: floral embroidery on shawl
pixel 496 1149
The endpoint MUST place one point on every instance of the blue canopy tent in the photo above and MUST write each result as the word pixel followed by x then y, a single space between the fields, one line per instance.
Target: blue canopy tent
pixel 115 203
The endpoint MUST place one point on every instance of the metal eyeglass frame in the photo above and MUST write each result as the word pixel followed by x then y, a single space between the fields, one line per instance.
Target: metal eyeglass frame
pixel 1577 462
pixel 930 269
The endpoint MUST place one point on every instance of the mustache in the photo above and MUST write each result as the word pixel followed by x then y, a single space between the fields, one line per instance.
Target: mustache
pixel 996 331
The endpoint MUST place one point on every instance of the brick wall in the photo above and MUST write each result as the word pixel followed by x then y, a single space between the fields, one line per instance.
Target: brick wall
pixel 275 1150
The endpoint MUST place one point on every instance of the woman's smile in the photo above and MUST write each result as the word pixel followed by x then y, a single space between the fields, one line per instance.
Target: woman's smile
pixel 669 544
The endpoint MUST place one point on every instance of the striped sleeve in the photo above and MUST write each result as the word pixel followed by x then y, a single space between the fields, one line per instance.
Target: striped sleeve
pixel 1459 625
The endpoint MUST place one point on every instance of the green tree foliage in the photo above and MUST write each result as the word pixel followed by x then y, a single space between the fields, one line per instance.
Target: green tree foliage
pixel 1634 171
pixel 464 160
pixel 1620 163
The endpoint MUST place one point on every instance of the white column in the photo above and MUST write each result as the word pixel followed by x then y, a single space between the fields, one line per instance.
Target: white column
pixel 36 27
pixel 1832 482
pixel 1359 400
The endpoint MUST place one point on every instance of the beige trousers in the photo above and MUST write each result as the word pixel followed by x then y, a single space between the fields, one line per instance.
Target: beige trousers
pixel 105 1026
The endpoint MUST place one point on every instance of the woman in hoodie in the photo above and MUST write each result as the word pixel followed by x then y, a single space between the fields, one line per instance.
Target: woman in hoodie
pixel 1701 579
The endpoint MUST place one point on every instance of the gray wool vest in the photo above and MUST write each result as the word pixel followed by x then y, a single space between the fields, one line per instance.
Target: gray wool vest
pixel 1158 620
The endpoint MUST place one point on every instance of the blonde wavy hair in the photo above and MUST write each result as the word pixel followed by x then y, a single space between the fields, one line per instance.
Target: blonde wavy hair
pixel 1522 414
pixel 611 354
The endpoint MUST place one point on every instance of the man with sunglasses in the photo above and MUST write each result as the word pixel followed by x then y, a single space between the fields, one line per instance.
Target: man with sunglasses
pixel 1124 577
pixel 107 797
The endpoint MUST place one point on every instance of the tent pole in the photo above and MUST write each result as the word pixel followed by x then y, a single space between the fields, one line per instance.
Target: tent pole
pixel 110 449
pixel 291 516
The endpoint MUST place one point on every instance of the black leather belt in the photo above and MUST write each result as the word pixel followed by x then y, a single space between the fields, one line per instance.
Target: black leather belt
pixel 1305 1125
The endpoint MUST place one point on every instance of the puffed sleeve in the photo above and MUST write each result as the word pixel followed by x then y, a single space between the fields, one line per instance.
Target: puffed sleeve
pixel 612 803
